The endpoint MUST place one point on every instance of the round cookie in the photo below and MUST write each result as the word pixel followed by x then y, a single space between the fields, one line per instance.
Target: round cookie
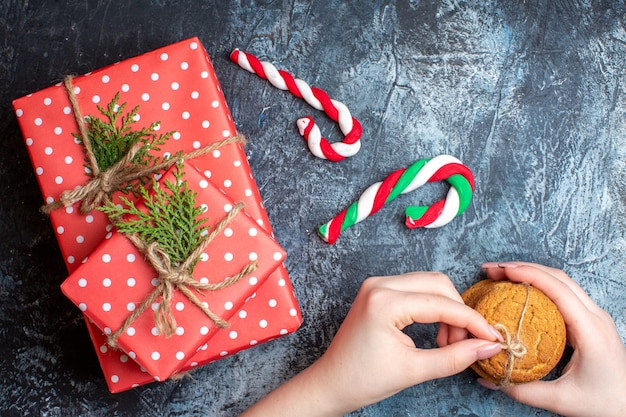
pixel 531 324
pixel 476 291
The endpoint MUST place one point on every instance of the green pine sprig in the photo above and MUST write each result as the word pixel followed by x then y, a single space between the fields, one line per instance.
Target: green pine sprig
pixel 112 136
pixel 172 218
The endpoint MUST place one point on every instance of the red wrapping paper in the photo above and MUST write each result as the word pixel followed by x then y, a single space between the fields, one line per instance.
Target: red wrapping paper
pixel 258 321
pixel 176 86
pixel 116 279
pixel 186 97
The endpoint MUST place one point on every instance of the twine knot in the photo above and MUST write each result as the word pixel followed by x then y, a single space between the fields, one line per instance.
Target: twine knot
pixel 96 192
pixel 105 182
pixel 102 184
pixel 176 277
pixel 512 343
pixel 179 277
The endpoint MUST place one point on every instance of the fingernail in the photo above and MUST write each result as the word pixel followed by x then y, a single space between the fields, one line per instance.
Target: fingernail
pixel 488 384
pixel 488 265
pixel 497 334
pixel 488 351
pixel 508 265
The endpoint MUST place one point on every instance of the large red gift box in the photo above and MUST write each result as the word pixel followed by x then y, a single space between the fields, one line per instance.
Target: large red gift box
pixel 116 279
pixel 177 86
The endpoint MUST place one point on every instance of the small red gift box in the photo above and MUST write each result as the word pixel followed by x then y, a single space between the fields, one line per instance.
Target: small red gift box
pixel 260 320
pixel 176 85
pixel 116 279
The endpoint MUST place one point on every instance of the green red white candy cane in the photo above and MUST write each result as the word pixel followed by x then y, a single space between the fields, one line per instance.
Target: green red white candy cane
pixel 402 181
pixel 317 98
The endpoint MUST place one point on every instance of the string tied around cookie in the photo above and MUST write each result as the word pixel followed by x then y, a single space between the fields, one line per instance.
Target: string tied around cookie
pixel 179 277
pixel 103 184
pixel 512 344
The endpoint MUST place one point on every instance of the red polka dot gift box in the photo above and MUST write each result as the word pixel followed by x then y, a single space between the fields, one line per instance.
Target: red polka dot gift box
pixel 176 86
pixel 120 276
pixel 258 321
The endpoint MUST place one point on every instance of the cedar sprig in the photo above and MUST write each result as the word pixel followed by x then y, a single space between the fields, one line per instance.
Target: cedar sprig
pixel 172 219
pixel 112 136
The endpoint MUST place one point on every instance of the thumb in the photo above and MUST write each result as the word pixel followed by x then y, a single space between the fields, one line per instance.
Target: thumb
pixel 539 394
pixel 455 358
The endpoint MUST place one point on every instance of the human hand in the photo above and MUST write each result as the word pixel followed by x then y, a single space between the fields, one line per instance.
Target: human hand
pixel 594 381
pixel 371 358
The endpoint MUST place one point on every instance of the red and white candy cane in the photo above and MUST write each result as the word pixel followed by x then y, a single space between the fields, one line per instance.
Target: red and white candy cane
pixel 317 98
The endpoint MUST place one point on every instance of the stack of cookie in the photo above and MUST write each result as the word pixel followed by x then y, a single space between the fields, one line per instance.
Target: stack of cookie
pixel 531 325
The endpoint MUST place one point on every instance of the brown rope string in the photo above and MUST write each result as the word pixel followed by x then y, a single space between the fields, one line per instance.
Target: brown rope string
pixel 80 121
pixel 99 188
pixel 179 277
pixel 512 343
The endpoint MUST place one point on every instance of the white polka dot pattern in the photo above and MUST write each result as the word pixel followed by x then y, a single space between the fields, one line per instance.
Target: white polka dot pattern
pixel 42 114
pixel 101 284
pixel 162 88
pixel 268 308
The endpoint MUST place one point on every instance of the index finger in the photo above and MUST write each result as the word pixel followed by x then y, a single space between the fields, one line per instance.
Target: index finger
pixel 411 308
pixel 423 282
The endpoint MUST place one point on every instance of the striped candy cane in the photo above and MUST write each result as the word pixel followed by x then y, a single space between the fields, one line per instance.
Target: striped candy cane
pixel 317 98
pixel 402 181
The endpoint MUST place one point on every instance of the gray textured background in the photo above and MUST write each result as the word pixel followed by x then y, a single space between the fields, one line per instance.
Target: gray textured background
pixel 529 94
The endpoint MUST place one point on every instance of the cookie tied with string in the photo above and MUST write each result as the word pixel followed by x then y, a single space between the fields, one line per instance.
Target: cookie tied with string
pixel 531 325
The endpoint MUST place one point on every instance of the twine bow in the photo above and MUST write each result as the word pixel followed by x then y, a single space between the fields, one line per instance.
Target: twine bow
pixel 103 184
pixel 179 277
pixel 512 343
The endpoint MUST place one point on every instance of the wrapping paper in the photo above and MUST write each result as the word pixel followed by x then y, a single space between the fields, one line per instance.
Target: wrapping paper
pixel 177 86
pixel 260 320
pixel 115 279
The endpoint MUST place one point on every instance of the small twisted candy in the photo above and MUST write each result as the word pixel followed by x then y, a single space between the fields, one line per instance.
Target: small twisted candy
pixel 317 98
pixel 402 181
